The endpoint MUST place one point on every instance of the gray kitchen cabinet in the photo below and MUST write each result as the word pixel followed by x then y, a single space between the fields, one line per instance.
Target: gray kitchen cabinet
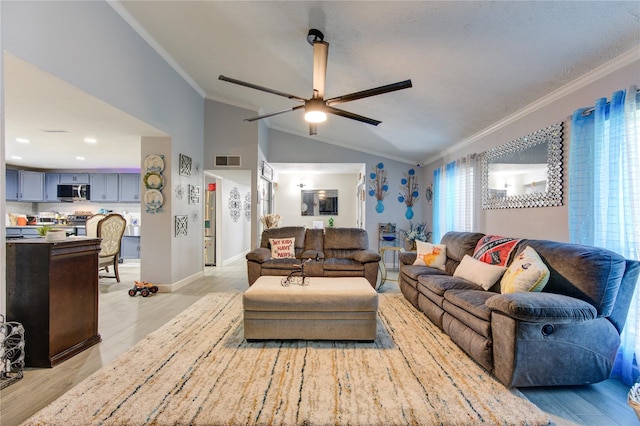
pixel 129 187
pixel 104 187
pixel 12 188
pixel 13 232
pixel 31 186
pixel 66 178
pixel 130 247
pixel 51 181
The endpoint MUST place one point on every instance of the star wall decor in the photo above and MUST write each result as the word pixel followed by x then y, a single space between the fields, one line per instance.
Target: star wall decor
pixel 178 190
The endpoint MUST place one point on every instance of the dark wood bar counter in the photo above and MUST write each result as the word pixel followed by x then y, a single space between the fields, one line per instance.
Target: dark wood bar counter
pixel 52 289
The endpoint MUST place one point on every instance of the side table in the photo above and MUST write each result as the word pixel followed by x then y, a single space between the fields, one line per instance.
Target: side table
pixel 382 266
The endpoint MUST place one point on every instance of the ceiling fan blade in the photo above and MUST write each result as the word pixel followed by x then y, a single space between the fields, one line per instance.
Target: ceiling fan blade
pixel 347 114
pixel 371 92
pixel 271 114
pixel 264 89
pixel 320 53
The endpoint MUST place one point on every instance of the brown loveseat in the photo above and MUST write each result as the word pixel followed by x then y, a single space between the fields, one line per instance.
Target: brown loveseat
pixel 567 334
pixel 332 252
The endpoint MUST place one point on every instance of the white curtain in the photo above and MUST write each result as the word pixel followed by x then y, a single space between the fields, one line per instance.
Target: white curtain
pixel 453 193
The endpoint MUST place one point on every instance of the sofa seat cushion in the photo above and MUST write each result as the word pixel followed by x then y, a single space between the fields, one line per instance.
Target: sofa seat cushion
pixel 415 271
pixel 287 263
pixel 439 284
pixel 468 308
pixel 542 307
pixel 471 301
pixel 342 264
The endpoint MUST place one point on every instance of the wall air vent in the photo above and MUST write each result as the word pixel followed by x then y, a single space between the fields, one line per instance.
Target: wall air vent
pixel 227 161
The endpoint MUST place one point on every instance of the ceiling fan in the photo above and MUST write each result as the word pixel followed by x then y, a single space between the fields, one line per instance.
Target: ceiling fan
pixel 316 108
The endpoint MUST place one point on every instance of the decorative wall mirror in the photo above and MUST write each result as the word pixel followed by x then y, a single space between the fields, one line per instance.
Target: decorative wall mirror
pixel 526 172
pixel 319 202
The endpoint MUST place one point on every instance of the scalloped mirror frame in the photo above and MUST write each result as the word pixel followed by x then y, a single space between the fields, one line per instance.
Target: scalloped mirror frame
pixel 552 136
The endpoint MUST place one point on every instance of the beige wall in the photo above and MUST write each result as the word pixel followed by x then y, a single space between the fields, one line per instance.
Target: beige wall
pixel 541 222
pixel 288 198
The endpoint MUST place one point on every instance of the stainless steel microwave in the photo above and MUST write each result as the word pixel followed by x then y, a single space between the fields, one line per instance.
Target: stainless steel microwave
pixel 74 192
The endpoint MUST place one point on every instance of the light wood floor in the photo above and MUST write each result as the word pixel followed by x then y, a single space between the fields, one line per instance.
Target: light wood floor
pixel 126 320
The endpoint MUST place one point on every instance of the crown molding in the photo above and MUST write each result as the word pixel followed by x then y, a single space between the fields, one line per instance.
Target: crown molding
pixel 577 84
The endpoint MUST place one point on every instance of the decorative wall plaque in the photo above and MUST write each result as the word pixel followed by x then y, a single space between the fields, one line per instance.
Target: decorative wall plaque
pixel 182 225
pixel 235 204
pixel 247 206
pixel 185 165
pixel 194 194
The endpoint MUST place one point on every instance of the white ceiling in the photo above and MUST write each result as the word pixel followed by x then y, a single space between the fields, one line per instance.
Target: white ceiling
pixel 472 63
pixel 55 117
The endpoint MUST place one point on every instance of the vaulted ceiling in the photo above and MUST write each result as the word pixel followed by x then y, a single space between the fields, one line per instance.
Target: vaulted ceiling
pixel 472 63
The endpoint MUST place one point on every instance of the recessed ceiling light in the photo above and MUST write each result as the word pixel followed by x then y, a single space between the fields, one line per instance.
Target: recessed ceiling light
pixel 80 158
pixel 22 140
pixel 15 157
pixel 90 140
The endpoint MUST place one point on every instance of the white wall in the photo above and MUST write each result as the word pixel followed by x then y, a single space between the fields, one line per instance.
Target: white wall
pixel 226 133
pixel 90 46
pixel 541 222
pixel 287 148
pixel 235 232
pixel 288 199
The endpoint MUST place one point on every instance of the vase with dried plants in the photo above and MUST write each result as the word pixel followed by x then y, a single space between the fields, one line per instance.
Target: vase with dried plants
pixel 270 220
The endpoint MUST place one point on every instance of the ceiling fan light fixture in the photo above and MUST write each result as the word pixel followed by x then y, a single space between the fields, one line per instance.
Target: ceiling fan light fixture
pixel 314 111
pixel 315 116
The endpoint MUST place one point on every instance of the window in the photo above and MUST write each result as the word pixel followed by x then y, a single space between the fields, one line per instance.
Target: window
pixel 453 197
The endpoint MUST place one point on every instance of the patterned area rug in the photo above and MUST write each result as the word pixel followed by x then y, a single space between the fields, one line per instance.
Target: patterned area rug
pixel 199 370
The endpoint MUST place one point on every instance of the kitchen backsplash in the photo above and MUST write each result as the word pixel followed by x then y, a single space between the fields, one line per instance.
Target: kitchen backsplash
pixel 130 211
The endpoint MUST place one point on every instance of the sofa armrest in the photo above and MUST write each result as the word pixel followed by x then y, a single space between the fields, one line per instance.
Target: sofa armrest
pixel 259 255
pixel 312 254
pixel 542 307
pixel 366 256
pixel 407 257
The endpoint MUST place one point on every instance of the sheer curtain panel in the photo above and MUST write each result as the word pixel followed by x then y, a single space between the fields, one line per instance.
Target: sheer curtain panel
pixel 604 195
pixel 453 197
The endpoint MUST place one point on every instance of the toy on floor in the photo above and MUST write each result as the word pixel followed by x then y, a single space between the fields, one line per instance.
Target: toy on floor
pixel 143 287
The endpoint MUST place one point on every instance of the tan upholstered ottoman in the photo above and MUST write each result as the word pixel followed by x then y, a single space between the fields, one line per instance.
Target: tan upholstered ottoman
pixel 326 309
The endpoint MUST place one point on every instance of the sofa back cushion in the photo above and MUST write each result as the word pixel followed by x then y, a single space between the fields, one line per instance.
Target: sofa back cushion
pixel 344 242
pixel 313 239
pixel 296 232
pixel 458 244
pixel 588 273
pixel 627 286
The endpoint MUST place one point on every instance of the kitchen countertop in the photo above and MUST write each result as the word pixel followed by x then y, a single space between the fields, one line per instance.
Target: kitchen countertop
pixel 52 226
pixel 69 240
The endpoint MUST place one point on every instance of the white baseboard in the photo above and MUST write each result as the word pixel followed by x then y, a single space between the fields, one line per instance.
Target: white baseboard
pixel 234 258
pixel 168 288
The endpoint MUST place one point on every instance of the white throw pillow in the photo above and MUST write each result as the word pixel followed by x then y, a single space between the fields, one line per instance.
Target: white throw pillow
pixel 282 248
pixel 478 272
pixel 433 255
